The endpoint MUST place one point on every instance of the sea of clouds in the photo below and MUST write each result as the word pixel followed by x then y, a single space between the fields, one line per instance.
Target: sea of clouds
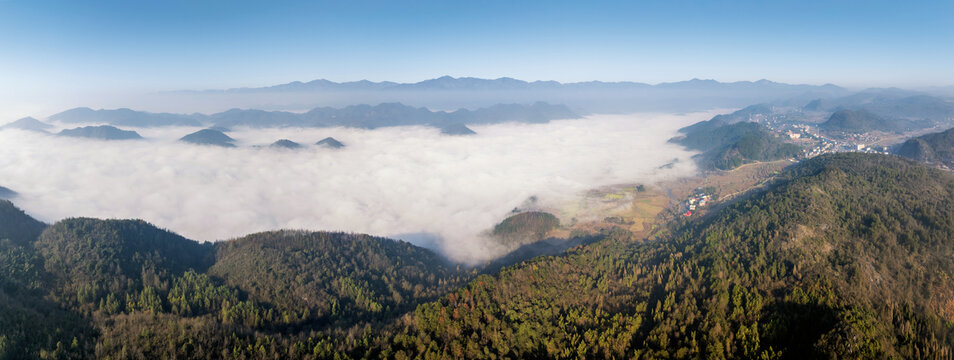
pixel 388 182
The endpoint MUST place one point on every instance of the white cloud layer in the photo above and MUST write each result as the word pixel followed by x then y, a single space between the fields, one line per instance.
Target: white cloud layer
pixel 390 181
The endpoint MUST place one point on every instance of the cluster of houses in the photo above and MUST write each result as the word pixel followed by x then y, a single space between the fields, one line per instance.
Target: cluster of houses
pixel 798 131
pixel 697 200
pixel 825 145
pixel 816 144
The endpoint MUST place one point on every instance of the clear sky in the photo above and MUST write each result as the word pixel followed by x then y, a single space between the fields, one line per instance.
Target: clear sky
pixel 199 44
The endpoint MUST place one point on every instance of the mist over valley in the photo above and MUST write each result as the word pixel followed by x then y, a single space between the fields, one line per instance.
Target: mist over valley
pixel 386 182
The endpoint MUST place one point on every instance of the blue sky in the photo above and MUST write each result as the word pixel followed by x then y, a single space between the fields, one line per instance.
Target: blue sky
pixel 164 45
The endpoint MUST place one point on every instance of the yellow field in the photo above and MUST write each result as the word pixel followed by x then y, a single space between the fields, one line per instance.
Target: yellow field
pixel 614 206
pixel 622 206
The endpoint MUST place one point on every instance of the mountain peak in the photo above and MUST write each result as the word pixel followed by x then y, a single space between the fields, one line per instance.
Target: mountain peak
pixel 285 144
pixel 209 137
pixel 28 123
pixel 330 142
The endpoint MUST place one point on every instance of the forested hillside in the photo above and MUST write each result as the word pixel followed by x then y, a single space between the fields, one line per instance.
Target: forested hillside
pixel 850 257
pixel 934 148
pixel 862 121
pixel 315 280
pixel 843 256
pixel 16 225
pixel 726 147
pixel 91 288
pixel 99 264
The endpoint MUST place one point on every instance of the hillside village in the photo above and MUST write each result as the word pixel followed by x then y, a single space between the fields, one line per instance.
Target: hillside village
pixel 803 129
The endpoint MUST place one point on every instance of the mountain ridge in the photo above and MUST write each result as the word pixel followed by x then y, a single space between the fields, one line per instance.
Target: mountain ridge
pixel 447 82
pixel 356 116
pixel 101 132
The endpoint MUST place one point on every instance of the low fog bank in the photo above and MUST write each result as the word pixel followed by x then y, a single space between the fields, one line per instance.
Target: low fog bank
pixel 387 182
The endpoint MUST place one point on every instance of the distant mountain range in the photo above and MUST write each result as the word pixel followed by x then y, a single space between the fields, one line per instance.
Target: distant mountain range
pixel 358 116
pixel 862 121
pixel 886 110
pixel 893 104
pixel 124 117
pixel 445 83
pixel 467 92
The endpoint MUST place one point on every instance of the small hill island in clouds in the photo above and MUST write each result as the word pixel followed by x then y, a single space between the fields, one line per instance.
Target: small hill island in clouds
pixel 102 132
pixel 285 144
pixel 209 137
pixel 456 129
pixel 330 142
pixel 476 180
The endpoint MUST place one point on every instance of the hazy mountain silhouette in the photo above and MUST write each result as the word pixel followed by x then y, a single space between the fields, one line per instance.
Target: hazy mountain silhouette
pixel 125 117
pixel 102 132
pixel 448 92
pixel 924 110
pixel 285 144
pixel 28 123
pixel 356 116
pixel 391 114
pixel 330 142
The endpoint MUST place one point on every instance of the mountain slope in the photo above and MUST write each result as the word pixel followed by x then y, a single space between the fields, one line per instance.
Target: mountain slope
pixel 6 193
pixel 935 148
pixel 861 121
pixel 317 279
pixel 94 260
pixel 849 256
pixel 31 325
pixel 17 226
